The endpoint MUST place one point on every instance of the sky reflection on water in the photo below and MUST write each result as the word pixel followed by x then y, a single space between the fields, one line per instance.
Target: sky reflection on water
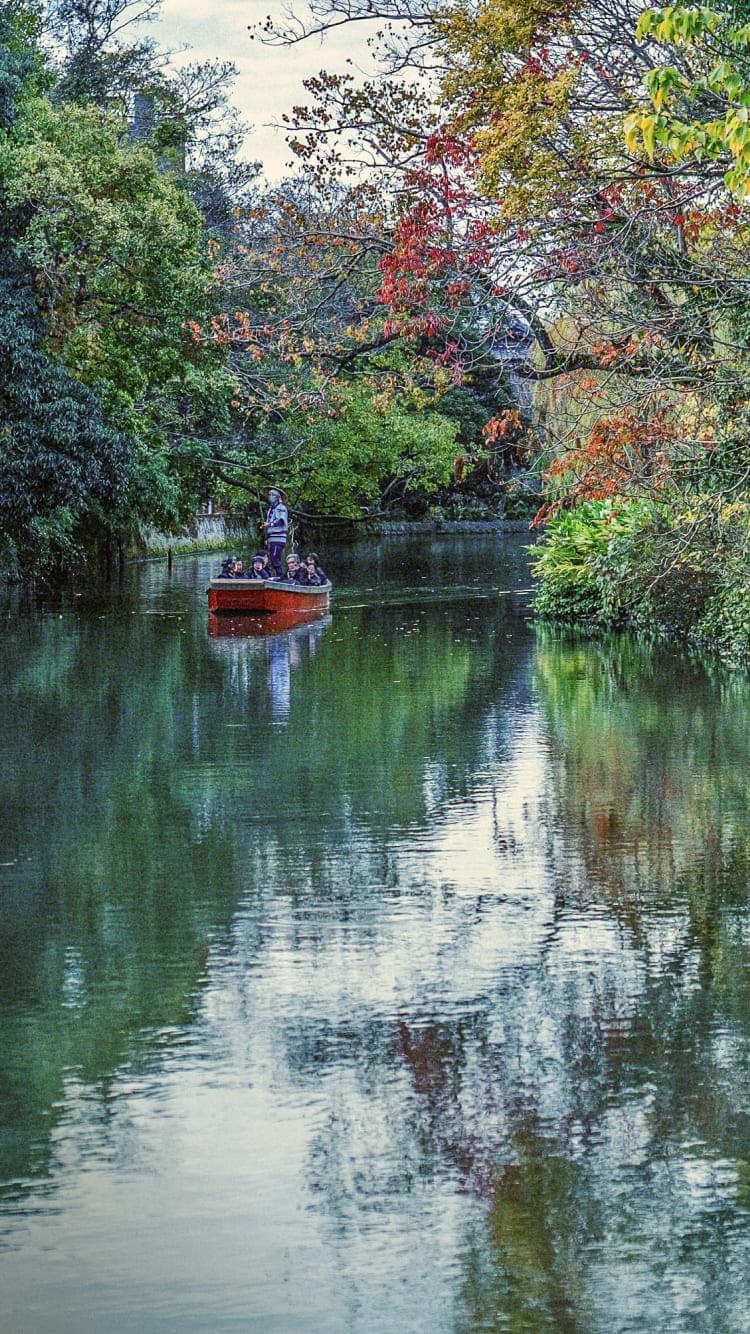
pixel 387 974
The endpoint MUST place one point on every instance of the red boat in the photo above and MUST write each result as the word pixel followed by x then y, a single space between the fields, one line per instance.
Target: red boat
pixel 265 595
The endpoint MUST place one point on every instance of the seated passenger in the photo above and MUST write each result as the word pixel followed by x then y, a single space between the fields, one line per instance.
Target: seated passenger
pixel 239 572
pixel 227 569
pixel 260 568
pixel 293 568
pixel 314 574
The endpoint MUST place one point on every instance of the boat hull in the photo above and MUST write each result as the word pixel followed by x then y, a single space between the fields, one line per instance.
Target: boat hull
pixel 265 595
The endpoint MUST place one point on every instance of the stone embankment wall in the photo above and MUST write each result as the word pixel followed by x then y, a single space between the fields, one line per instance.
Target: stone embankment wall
pixel 209 531
pixel 453 526
pixel 213 532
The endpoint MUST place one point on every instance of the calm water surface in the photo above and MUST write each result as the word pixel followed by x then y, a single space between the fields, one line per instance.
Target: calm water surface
pixel 389 974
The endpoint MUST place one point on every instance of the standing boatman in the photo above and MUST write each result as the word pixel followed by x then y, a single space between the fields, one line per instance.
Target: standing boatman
pixel 276 528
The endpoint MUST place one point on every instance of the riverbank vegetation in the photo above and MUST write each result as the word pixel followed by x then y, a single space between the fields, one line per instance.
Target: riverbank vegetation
pixel 172 329
pixel 518 247
pixel 585 169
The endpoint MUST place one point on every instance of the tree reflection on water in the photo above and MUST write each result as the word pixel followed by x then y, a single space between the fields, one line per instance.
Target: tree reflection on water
pixel 470 908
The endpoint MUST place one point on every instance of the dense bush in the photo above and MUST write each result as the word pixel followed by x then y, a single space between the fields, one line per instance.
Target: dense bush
pixel 644 565
pixel 64 473
pixel 568 563
pixel 725 624
pixel 659 569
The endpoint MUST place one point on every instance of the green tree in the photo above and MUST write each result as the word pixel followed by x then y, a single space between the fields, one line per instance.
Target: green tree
pixel 64 472
pixel 368 453
pixel 121 263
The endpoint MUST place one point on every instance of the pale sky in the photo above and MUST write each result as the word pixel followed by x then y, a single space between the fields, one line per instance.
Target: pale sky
pixel 270 78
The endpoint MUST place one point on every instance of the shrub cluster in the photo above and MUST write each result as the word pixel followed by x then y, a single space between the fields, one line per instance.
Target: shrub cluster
pixel 645 565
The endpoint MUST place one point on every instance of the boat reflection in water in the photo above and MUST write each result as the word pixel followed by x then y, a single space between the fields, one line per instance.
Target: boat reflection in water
pixel 254 626
pixel 285 640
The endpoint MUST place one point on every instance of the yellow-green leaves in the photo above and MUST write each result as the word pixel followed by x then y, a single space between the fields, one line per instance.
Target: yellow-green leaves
pixel 677 24
pixel 740 36
pixel 725 79
pixel 665 83
pixel 647 131
pixel 668 127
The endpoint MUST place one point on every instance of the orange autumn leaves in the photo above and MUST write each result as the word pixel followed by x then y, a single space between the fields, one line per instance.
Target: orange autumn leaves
pixel 623 451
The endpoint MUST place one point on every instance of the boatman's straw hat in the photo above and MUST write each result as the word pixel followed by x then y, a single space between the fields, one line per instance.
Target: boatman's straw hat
pixel 279 491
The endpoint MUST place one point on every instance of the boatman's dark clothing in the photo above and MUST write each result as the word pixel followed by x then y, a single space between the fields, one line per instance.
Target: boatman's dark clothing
pixel 275 552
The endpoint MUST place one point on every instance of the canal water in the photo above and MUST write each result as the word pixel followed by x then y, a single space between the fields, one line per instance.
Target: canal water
pixel 388 974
